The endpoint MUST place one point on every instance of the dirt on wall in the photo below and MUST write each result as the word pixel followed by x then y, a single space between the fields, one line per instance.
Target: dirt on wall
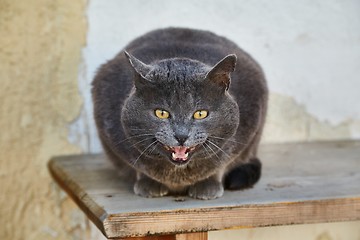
pixel 40 52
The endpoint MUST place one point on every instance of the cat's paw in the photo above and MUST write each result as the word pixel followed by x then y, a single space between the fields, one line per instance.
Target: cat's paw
pixel 147 187
pixel 206 189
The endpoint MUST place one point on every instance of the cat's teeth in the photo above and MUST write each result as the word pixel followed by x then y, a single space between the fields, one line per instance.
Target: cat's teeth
pixel 174 156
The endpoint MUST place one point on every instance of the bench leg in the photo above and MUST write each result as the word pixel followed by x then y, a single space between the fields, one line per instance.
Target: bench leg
pixel 192 236
pixel 183 236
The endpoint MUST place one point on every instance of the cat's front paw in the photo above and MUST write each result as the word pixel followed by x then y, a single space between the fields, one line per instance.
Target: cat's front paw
pixel 147 187
pixel 206 189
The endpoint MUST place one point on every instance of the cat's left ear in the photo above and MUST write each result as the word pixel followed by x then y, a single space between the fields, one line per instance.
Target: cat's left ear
pixel 220 73
pixel 141 68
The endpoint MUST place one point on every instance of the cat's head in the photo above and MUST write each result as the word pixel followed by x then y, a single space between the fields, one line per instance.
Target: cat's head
pixel 180 109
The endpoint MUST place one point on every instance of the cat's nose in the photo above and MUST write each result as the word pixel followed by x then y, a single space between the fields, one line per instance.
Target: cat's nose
pixel 181 138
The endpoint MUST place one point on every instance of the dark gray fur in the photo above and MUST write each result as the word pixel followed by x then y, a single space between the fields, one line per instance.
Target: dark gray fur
pixel 181 71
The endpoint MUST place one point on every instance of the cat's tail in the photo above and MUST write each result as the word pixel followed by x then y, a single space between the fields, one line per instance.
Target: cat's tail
pixel 243 176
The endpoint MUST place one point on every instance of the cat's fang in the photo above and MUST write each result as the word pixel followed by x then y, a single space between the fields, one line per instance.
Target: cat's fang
pixel 180 154
pixel 177 157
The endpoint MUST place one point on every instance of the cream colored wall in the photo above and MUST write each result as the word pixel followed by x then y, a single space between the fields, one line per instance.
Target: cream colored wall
pixel 44 51
pixel 321 231
pixel 40 53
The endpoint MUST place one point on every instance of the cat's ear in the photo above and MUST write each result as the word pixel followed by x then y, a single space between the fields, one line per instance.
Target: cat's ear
pixel 141 69
pixel 220 73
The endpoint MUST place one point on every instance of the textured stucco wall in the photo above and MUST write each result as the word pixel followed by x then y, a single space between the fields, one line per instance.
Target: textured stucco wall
pixel 40 52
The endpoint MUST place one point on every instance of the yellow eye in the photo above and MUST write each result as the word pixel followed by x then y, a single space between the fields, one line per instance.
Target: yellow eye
pixel 201 114
pixel 162 114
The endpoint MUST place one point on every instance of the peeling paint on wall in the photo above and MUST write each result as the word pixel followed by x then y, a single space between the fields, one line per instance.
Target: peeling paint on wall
pixel 288 120
pixel 40 51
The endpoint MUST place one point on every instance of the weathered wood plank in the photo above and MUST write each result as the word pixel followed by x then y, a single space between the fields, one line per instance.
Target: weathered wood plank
pixel 301 183
pixel 184 236
pixel 163 237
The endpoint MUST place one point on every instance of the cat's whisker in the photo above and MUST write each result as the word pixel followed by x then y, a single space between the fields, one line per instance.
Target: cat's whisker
pixel 227 140
pixel 134 136
pixel 144 151
pixel 152 150
pixel 209 154
pixel 141 129
pixel 142 141
pixel 218 161
pixel 227 155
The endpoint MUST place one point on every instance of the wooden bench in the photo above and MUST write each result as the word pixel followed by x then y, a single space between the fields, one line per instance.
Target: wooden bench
pixel 301 183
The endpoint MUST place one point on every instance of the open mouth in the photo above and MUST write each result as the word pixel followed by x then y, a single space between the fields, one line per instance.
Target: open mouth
pixel 180 154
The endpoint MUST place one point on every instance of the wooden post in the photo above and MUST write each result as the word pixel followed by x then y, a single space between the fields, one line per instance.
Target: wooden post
pixel 192 236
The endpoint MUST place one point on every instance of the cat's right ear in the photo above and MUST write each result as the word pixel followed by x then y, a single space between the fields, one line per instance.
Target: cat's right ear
pixel 220 73
pixel 141 70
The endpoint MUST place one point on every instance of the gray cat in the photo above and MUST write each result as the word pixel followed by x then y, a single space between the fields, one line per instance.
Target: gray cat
pixel 179 114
